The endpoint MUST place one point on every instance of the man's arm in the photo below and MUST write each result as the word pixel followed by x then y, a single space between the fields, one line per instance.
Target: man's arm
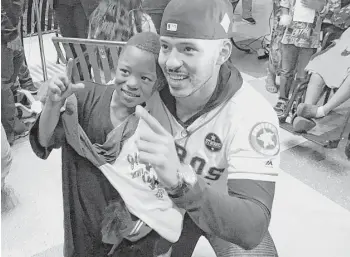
pixel 243 215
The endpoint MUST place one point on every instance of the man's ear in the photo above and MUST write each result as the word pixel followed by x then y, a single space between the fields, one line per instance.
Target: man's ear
pixel 225 51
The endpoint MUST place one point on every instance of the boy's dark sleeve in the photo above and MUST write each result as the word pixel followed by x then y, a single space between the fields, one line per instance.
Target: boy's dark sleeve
pixel 56 140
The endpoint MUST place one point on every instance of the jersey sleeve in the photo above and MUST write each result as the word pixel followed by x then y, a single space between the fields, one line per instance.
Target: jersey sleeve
pixel 254 151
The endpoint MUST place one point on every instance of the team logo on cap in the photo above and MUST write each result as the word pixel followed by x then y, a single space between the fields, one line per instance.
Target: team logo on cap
pixel 225 22
pixel 264 139
pixel 213 142
pixel 171 26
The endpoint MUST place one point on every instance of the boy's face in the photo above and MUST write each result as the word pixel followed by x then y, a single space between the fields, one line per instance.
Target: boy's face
pixel 135 76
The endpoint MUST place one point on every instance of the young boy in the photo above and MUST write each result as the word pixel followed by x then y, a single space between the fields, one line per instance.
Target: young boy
pixel 92 135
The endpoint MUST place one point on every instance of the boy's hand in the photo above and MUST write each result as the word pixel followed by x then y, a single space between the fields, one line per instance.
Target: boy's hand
pixel 61 87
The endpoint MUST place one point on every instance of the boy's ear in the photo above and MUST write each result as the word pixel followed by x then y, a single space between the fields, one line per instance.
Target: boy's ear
pixel 225 51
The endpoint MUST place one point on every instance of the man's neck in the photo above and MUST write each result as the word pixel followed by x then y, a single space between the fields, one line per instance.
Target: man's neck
pixel 186 107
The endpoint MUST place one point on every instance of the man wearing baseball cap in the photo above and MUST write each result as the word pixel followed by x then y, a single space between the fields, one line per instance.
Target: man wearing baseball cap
pixel 214 142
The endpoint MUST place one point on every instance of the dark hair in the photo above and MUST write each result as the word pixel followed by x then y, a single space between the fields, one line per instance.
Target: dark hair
pixel 115 20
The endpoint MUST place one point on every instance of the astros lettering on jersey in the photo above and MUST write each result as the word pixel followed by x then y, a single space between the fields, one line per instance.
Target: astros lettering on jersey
pixel 235 140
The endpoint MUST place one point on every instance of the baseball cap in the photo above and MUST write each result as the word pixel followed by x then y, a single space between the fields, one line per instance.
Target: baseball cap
pixel 198 19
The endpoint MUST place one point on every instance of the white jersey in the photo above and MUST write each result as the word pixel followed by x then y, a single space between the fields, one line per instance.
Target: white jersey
pixel 236 140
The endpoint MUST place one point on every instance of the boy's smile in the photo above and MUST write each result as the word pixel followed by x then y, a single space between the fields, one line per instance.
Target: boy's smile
pixel 135 76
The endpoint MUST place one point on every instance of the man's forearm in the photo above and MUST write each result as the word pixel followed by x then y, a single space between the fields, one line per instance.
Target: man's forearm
pixel 234 218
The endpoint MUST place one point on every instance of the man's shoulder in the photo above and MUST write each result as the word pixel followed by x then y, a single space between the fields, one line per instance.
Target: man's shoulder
pixel 249 107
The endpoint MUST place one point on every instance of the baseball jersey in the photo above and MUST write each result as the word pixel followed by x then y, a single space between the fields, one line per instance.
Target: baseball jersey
pixel 236 140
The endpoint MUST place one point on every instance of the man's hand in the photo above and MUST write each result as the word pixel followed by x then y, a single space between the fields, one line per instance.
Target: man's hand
pixel 61 86
pixel 316 5
pixel 15 44
pixel 157 147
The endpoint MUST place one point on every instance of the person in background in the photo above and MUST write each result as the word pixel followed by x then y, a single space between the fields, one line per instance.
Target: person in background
pixel 11 61
pixel 300 41
pixel 335 77
pixel 347 148
pixel 341 17
pixel 6 157
pixel 155 9
pixel 247 16
pixel 25 80
pixel 73 16
pixel 274 64
pixel 6 161
pixel 115 20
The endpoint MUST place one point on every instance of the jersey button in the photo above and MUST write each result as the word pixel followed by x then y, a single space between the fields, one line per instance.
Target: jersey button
pixel 184 133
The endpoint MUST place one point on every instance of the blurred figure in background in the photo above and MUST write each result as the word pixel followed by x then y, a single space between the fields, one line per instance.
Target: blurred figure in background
pixel 6 161
pixel 274 64
pixel 247 6
pixel 25 80
pixel 73 16
pixel 11 61
pixel 155 9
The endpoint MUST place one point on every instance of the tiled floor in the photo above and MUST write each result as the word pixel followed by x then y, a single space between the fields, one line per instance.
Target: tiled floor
pixel 311 210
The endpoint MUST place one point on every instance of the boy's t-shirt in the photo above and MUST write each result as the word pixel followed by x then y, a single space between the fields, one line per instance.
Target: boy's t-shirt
pixel 143 195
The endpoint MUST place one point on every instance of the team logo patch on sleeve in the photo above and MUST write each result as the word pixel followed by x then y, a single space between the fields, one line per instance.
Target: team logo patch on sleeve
pixel 264 139
pixel 213 142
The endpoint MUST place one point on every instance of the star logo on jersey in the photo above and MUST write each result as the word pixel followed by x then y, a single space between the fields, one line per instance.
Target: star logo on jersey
pixel 213 142
pixel 264 139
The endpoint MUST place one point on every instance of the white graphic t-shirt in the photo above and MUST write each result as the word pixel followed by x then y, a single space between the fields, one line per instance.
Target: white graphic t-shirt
pixel 138 186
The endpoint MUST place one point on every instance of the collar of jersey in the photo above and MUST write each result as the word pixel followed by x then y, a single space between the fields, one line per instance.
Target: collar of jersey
pixel 229 82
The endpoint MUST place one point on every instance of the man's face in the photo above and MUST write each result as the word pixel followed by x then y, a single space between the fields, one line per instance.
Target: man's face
pixel 187 63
